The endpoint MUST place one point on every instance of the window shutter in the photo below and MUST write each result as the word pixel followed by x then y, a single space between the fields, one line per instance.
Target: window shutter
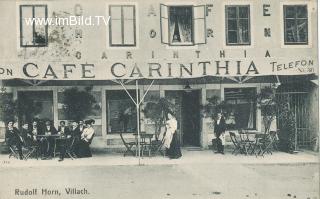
pixel 164 20
pixel 199 24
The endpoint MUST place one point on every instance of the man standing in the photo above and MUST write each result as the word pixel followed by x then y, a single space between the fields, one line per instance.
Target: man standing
pixel 219 129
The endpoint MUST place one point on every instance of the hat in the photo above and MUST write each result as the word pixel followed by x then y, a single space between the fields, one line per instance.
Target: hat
pixel 90 121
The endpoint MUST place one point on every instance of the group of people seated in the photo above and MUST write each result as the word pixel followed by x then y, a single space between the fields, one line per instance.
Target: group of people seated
pixel 76 138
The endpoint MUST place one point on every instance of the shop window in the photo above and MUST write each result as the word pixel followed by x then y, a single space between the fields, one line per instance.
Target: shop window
pixel 122 25
pixel 241 109
pixel 295 24
pixel 33 34
pixel 183 25
pixel 238 24
pixel 121 112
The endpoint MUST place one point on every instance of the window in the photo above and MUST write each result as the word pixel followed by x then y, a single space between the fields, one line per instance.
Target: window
pixel 295 24
pixel 121 112
pixel 183 25
pixel 241 109
pixel 33 35
pixel 122 25
pixel 238 25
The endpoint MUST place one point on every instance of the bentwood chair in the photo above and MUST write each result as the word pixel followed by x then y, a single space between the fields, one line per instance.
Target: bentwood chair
pixel 238 145
pixel 129 146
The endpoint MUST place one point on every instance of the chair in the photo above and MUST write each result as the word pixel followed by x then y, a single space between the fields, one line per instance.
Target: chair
pixel 238 146
pixel 157 147
pixel 128 145
pixel 70 148
pixel 265 142
pixel 32 148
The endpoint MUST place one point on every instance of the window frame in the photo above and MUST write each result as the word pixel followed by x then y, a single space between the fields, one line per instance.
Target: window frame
pixel 237 6
pixel 108 93
pixel 165 17
pixel 284 18
pixel 192 24
pixel 122 26
pixel 254 102
pixel 33 25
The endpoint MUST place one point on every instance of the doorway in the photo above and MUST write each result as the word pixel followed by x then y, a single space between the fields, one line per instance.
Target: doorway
pixel 187 112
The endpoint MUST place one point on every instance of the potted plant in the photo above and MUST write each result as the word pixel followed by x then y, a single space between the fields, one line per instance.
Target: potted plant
pixel 156 111
pixel 267 102
pixel 8 107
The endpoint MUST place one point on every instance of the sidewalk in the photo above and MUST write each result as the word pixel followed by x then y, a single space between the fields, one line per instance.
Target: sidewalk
pixel 188 158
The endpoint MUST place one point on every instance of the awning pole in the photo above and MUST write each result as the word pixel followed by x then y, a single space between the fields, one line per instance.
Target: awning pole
pixel 138 118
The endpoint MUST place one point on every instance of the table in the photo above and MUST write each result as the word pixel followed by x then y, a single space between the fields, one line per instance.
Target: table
pixel 145 142
pixel 48 139
pixel 247 141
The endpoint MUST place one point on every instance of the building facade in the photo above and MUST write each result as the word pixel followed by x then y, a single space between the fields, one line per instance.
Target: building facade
pixel 228 50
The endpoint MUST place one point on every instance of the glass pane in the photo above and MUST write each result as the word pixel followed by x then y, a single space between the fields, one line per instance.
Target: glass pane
pixel 40 32
pixel 243 12
pixel 243 31
pixel 181 24
pixel 121 112
pixel 289 12
pixel 128 12
pixel 231 12
pixel 27 28
pixel 232 24
pixel 116 32
pixel 302 12
pixel 302 35
pixel 129 32
pixel 232 37
pixel 115 12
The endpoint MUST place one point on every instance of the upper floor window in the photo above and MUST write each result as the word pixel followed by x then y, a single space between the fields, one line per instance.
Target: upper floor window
pixel 295 24
pixel 33 30
pixel 183 25
pixel 238 25
pixel 122 25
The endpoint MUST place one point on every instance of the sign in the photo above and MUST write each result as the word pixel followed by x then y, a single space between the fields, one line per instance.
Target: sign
pixel 157 69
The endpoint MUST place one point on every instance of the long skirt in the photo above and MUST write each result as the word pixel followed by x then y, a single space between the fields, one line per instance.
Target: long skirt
pixel 84 149
pixel 174 152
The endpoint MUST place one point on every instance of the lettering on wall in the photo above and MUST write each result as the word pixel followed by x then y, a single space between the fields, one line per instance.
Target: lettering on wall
pixel 78 11
pixel 209 32
pixel 267 32
pixel 266 11
pixel 151 11
pixel 208 9
pixel 152 33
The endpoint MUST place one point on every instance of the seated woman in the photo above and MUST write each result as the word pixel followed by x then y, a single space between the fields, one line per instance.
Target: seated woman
pixel 86 138
pixel 171 141
pixel 13 138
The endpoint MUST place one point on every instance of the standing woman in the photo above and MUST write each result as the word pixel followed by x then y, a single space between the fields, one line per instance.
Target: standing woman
pixel 171 141
pixel 86 138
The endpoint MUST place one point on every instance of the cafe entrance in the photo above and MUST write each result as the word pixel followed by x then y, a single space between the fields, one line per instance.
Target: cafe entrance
pixel 187 112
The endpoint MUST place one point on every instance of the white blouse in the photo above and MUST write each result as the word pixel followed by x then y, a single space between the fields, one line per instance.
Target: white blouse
pixel 87 134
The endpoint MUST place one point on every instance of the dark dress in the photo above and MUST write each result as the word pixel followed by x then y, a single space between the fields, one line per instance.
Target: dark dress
pixel 174 152
pixel 84 145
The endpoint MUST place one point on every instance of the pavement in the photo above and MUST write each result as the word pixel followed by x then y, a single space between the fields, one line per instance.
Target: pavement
pixel 197 175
